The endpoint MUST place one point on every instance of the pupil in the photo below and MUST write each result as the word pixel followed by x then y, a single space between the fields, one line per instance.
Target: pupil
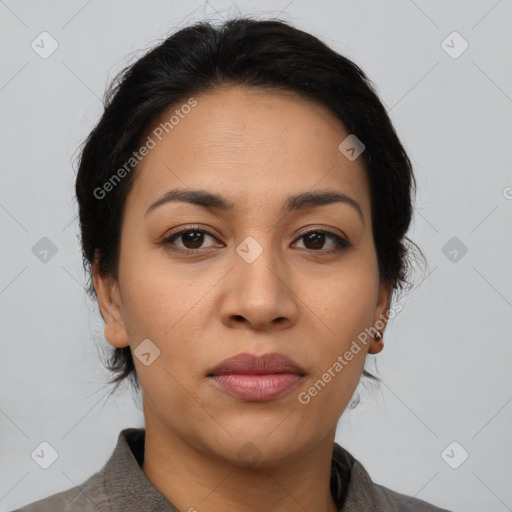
pixel 316 238
pixel 193 237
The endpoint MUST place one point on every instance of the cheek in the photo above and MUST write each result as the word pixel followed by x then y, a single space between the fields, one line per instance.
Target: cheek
pixel 349 308
pixel 167 307
pixel 156 293
pixel 340 354
pixel 350 300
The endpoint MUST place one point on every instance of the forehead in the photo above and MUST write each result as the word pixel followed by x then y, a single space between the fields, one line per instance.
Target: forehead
pixel 248 143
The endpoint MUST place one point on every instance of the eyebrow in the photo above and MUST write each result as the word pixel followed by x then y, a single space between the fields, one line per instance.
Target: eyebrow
pixel 213 201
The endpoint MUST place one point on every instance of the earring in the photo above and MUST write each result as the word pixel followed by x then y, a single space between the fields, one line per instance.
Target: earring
pixel 378 336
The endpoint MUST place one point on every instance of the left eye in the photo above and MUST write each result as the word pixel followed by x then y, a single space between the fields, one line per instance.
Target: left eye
pixel 192 239
pixel 318 236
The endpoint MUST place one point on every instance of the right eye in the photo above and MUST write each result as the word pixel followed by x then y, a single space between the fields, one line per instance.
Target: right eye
pixel 191 238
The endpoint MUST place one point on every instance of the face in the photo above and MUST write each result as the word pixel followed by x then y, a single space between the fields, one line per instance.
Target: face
pixel 256 275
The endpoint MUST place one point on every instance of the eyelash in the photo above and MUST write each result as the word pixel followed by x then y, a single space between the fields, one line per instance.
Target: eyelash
pixel 341 243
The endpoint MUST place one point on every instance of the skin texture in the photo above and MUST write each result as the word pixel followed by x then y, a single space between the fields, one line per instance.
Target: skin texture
pixel 254 147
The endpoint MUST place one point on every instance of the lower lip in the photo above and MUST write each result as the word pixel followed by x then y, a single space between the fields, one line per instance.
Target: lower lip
pixel 257 388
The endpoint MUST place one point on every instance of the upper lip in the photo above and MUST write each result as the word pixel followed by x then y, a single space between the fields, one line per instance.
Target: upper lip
pixel 250 364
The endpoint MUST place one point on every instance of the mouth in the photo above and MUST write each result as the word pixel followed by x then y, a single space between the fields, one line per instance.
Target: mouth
pixel 257 378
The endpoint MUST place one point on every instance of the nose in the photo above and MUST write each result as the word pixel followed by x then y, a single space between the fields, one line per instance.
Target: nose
pixel 259 295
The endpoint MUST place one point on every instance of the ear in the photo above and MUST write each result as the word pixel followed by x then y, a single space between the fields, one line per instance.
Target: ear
pixel 380 318
pixel 107 290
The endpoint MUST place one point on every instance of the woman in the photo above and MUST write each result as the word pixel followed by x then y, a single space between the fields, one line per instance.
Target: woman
pixel 244 202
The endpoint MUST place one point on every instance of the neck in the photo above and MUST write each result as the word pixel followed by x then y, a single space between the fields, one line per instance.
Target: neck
pixel 196 481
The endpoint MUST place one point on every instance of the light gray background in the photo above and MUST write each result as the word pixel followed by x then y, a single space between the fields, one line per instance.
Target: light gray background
pixel 446 363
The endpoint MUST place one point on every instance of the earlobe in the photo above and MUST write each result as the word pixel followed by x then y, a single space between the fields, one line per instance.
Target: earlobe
pixel 381 317
pixel 382 308
pixel 377 345
pixel 115 335
pixel 109 301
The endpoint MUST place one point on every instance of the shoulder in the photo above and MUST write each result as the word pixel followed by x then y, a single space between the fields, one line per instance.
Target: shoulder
pixel 403 502
pixel 362 493
pixel 112 484
pixel 91 496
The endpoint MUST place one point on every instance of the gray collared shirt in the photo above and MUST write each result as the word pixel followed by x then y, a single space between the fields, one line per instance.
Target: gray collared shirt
pixel 121 486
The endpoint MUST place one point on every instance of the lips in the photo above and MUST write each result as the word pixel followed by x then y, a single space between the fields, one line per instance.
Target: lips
pixel 257 378
pixel 249 364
